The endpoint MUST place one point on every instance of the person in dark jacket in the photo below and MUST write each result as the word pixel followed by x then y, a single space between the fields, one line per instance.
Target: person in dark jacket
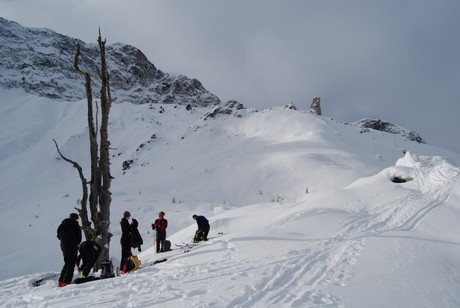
pixel 69 233
pixel 160 226
pixel 136 238
pixel 203 228
pixel 89 252
pixel 125 240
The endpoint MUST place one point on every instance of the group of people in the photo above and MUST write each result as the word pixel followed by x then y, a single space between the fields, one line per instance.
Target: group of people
pixel 131 238
pixel 74 251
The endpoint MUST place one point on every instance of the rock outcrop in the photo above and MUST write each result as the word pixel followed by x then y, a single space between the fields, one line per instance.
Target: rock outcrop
pixel 316 106
pixel 388 127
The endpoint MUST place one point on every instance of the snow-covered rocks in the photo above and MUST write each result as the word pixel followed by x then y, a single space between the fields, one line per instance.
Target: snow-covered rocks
pixel 388 128
pixel 40 61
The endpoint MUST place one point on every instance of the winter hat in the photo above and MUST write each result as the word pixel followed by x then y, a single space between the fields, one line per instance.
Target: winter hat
pixel 194 216
pixel 161 213
pixel 126 214
pixel 74 216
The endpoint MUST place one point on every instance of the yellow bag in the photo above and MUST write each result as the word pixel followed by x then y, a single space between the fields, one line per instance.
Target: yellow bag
pixel 132 264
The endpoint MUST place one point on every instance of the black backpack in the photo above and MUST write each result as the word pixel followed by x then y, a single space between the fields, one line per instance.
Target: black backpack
pixel 107 269
pixel 166 246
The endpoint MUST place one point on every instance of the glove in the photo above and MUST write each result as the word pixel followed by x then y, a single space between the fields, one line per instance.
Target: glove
pixel 153 226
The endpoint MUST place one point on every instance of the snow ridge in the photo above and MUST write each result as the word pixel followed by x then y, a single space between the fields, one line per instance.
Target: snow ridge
pixel 309 213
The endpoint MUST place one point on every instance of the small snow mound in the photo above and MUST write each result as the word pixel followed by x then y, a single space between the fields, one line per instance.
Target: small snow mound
pixel 404 170
pixel 409 160
pixel 431 170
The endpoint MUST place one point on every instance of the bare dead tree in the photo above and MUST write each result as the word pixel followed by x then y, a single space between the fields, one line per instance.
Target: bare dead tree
pixel 96 226
pixel 105 196
pixel 93 146
pixel 83 212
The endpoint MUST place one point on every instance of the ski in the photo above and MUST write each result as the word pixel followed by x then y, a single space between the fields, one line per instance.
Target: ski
pixel 87 279
pixel 38 282
pixel 188 246
pixel 185 245
pixel 158 261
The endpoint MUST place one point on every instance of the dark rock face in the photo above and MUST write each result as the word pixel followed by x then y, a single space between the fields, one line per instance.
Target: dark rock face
pixel 290 106
pixel 230 108
pixel 399 179
pixel 40 61
pixel 316 106
pixel 388 128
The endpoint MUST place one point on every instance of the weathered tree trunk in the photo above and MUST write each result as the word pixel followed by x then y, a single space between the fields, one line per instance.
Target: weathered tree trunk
pixel 90 233
pixel 105 196
pixel 99 195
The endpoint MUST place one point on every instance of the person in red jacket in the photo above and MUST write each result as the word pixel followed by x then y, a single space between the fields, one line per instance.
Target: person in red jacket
pixel 160 226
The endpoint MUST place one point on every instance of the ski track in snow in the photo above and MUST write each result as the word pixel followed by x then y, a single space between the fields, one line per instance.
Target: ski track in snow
pixel 404 214
pixel 301 277
pixel 295 278
pixel 298 281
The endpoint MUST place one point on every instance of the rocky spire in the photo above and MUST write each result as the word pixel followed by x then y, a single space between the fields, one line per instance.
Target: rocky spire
pixel 316 106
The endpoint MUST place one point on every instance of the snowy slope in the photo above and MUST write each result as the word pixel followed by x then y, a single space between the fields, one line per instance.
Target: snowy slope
pixel 308 213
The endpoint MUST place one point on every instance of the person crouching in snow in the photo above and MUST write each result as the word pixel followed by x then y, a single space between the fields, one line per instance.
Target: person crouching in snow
pixel 203 228
pixel 160 226
pixel 89 253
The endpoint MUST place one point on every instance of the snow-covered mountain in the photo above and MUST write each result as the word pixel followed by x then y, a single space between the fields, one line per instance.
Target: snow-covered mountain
pixel 40 61
pixel 308 211
pixel 304 209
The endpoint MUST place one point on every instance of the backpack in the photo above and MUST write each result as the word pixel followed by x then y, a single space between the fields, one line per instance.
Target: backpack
pixel 132 264
pixel 107 269
pixel 165 246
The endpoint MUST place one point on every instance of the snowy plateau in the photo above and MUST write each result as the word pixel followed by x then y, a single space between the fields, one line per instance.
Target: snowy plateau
pixel 303 209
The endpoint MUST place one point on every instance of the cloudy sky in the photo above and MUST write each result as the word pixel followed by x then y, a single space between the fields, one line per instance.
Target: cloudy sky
pixel 397 60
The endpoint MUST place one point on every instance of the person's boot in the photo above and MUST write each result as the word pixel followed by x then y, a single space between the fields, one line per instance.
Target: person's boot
pixel 61 284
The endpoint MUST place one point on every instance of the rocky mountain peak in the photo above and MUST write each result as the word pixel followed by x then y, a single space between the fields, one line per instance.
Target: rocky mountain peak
pixel 40 61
